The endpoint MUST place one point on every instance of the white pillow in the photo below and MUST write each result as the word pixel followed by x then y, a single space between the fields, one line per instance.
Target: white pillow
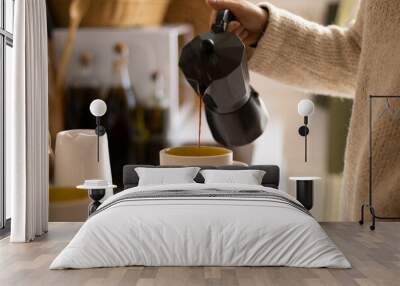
pixel 247 177
pixel 165 176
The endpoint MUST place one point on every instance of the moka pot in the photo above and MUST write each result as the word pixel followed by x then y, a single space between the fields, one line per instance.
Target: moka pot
pixel 215 65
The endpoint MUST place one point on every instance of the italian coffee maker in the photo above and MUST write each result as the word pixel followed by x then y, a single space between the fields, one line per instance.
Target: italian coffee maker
pixel 215 65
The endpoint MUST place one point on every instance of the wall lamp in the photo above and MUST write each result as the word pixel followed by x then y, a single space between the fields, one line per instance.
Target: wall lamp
pixel 305 108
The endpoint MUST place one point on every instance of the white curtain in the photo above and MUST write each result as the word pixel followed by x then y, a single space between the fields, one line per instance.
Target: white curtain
pixel 27 124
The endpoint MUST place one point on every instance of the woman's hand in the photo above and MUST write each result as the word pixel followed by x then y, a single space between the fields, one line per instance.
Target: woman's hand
pixel 251 19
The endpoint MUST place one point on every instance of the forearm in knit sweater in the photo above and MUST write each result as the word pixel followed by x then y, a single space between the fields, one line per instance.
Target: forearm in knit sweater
pixel 307 55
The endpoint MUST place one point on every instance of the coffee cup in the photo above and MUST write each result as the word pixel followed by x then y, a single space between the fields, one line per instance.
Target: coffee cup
pixel 197 156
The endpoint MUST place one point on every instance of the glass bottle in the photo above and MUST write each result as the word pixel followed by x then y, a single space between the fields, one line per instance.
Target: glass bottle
pixel 121 102
pixel 156 117
pixel 81 92
pixel 157 104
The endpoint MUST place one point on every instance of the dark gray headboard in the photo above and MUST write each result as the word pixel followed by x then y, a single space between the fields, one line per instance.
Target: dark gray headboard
pixel 271 177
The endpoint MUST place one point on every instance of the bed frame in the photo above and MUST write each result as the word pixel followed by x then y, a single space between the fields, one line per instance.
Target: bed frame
pixel 270 179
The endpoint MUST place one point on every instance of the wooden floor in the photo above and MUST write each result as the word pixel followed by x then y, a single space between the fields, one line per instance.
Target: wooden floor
pixel 375 257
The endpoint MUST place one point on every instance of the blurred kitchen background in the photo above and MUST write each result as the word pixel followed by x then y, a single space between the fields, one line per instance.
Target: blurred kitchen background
pixel 126 52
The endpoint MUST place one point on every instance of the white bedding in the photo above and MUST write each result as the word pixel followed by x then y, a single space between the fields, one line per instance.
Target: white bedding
pixel 200 231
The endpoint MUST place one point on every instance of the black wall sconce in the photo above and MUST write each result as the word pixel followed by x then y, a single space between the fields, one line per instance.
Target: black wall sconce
pixel 305 108
pixel 98 108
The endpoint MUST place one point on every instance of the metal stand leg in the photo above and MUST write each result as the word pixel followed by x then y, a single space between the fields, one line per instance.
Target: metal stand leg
pixel 93 207
pixel 96 195
pixel 361 221
pixel 373 216
pixel 372 210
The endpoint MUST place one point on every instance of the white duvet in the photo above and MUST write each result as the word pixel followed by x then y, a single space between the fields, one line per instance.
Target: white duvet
pixel 200 231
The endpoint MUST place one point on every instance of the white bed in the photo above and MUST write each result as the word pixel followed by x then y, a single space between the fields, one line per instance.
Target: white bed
pixel 206 230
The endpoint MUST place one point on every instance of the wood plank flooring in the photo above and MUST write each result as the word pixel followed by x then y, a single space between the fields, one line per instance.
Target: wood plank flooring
pixel 375 257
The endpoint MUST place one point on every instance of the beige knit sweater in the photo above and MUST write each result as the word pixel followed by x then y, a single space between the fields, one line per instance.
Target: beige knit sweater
pixel 358 61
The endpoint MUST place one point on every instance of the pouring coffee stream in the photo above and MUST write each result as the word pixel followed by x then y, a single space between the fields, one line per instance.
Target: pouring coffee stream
pixel 215 65
pixel 199 131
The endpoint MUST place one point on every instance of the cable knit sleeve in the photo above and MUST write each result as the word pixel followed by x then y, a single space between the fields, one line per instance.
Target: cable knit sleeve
pixel 307 55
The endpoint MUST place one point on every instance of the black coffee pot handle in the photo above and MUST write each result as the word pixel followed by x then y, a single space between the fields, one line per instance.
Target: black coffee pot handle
pixel 222 20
